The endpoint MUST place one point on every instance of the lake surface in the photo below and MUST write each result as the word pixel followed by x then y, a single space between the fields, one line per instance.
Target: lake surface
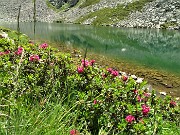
pixel 159 49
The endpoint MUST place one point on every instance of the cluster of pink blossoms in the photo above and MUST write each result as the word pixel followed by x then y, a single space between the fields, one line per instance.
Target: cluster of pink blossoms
pixel 130 118
pixel 4 53
pixel 124 77
pixel 34 58
pixel 114 73
pixel 145 109
pixel 84 63
pixel 74 132
pixel 19 51
pixel 43 46
pixel 139 98
pixel 95 101
pixel 80 69
pixel 172 103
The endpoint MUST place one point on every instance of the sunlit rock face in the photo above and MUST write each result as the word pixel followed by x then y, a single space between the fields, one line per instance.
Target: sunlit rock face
pixel 60 3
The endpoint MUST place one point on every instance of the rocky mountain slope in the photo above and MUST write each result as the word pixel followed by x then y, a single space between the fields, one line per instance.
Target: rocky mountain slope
pixel 157 14
pixel 120 13
pixel 9 11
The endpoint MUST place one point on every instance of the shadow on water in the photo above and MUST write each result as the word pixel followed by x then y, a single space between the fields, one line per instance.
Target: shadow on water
pixel 155 49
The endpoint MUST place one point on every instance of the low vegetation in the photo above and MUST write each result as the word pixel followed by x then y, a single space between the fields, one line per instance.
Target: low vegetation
pixel 107 16
pixel 45 91
pixel 167 25
pixel 88 3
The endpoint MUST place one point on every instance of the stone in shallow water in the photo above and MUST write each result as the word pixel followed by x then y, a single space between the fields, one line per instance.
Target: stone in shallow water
pixel 163 93
pixel 139 80
pixel 134 77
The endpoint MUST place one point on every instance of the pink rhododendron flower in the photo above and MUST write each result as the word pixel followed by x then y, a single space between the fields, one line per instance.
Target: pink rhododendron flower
pixel 1 53
pixel 74 132
pixel 135 91
pixel 130 118
pixel 34 58
pixel 124 78
pixel 92 62
pixel 85 63
pixel 145 109
pixel 147 94
pixel 80 69
pixel 19 51
pixel 7 52
pixel 109 70
pixel 114 73
pixel 104 75
pixel 172 103
pixel 95 101
pixel 43 46
pixel 139 99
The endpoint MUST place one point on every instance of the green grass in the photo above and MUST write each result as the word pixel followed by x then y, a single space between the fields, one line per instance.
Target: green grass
pixel 168 24
pixel 47 119
pixel 112 15
pixel 88 3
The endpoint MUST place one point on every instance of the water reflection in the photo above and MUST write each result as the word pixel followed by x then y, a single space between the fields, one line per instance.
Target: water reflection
pixel 154 48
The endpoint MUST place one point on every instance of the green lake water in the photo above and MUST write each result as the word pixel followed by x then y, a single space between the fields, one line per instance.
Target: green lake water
pixel 159 49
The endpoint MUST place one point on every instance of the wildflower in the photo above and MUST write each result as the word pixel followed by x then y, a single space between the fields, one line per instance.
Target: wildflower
pixel 85 63
pixel 172 103
pixel 147 94
pixel 114 73
pixel 74 132
pixel 124 78
pixel 95 101
pixel 43 46
pixel 34 57
pixel 19 51
pixel 80 69
pixel 7 52
pixel 130 118
pixel 110 70
pixel 104 75
pixel 1 53
pixel 145 109
pixel 139 98
pixel 135 91
pixel 92 62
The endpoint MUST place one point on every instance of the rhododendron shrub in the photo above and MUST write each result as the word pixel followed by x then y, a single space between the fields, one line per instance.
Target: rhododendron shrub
pixel 101 98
